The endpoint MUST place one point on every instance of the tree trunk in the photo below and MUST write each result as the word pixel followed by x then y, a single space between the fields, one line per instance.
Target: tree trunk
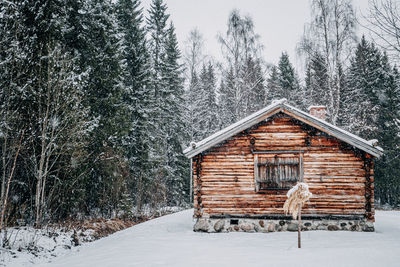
pixel 5 197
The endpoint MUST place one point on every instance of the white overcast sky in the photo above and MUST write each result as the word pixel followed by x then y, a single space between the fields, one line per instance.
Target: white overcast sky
pixel 280 23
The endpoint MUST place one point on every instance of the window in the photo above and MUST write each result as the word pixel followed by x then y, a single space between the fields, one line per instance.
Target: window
pixel 277 171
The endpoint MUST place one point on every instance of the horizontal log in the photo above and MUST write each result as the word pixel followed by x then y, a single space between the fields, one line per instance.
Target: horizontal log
pixel 265 197
pixel 335 207
pixel 274 211
pixel 242 190
pixel 286 217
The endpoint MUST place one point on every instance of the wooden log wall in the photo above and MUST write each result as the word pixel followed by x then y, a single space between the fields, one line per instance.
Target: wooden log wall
pixel 340 178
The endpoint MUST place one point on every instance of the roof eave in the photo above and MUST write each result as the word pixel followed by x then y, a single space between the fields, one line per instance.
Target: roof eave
pixel 335 131
pixel 237 127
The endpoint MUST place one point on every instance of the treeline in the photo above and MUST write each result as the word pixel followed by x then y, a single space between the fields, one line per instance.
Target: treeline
pixel 91 110
pixel 97 101
pixel 355 79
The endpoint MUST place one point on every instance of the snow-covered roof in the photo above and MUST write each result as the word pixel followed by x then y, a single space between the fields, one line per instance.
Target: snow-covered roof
pixel 275 107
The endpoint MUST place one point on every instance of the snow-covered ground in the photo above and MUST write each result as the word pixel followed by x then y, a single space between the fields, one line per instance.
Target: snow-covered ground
pixel 170 241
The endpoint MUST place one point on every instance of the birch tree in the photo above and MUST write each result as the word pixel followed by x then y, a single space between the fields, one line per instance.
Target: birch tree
pixel 330 34
pixel 61 120
pixel 240 45
pixel 193 57
pixel 383 21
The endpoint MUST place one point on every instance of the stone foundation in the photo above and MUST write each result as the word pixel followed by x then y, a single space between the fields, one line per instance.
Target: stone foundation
pixel 265 226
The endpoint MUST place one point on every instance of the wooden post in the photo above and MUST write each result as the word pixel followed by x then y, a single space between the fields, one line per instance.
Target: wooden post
pixel 299 228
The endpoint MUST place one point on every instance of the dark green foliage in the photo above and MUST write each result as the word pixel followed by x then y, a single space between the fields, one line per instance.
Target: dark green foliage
pixel 316 90
pixel 77 80
pixel 137 98
pixel 169 174
pixel 273 84
pixel 284 83
pixel 287 80
pixel 387 171
pixel 204 114
pixel 94 93
pixel 370 107
pixel 359 105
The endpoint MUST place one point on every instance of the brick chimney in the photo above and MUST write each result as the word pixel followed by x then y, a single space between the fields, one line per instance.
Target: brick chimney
pixel 318 111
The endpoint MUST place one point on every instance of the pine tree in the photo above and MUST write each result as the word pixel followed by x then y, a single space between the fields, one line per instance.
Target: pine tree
pixel 177 180
pixel 169 167
pixel 205 112
pixel 254 83
pixel 136 83
pixel 359 103
pixel 273 85
pixel 387 169
pixel 288 82
pixel 316 91
pixel 227 99
pixel 93 36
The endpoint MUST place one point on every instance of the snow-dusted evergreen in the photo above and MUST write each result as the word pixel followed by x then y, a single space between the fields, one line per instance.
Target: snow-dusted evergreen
pixel 387 171
pixel 87 126
pixel 202 104
pixel 169 172
pixel 359 105
pixel 137 98
pixel 316 81
pixel 285 83
pixel 95 110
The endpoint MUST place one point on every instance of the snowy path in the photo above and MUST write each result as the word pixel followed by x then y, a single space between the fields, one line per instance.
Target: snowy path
pixel 170 241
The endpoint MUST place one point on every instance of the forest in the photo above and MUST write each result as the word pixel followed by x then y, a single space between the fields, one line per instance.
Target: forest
pixel 98 99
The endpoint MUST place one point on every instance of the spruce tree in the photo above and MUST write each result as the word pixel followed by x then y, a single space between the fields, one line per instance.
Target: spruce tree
pixel 177 178
pixel 206 105
pixel 288 82
pixel 359 103
pixel 211 100
pixel 169 171
pixel 192 104
pixel 254 83
pixel 137 99
pixel 273 85
pixel 387 170
pixel 93 35
pixel 227 99
pixel 157 31
pixel 370 108
pixel 316 91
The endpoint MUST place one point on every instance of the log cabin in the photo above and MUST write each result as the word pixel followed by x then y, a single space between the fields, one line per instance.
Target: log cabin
pixel 241 174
